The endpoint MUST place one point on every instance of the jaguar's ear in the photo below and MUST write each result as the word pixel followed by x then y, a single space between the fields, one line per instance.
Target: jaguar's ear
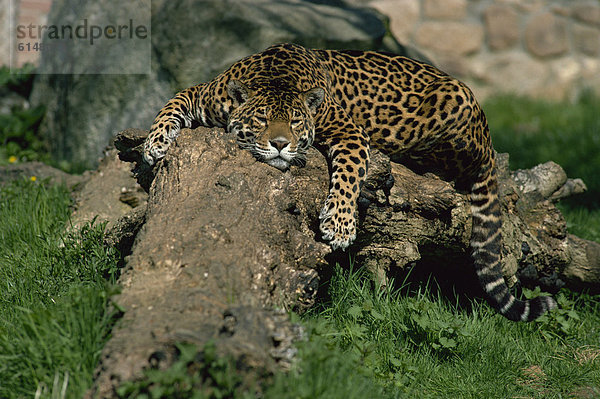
pixel 238 92
pixel 313 98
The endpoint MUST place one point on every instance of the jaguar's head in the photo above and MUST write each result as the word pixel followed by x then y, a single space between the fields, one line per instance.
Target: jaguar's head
pixel 275 124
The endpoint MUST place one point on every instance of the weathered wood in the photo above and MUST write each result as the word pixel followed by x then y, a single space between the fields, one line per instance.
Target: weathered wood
pixel 221 248
pixel 425 214
pixel 225 240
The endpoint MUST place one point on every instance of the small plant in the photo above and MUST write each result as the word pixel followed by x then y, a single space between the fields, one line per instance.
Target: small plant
pixel 426 326
pixel 19 136
pixel 195 374
pixel 17 79
pixel 324 371
pixel 422 321
pixel 561 322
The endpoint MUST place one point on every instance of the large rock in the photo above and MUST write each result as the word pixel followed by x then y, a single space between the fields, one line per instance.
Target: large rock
pixel 502 68
pixel 587 12
pixel 191 42
pixel 83 107
pixel 450 37
pixel 546 35
pixel 586 39
pixel 404 16
pixel 452 9
pixel 224 31
pixel 502 26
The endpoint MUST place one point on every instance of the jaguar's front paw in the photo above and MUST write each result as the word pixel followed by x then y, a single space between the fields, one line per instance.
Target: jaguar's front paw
pixel 338 227
pixel 153 152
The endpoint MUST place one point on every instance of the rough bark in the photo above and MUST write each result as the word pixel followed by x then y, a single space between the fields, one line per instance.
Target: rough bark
pixel 224 241
pixel 223 249
pixel 422 218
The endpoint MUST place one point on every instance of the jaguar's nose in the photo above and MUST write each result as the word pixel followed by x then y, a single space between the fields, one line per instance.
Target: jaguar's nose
pixel 279 143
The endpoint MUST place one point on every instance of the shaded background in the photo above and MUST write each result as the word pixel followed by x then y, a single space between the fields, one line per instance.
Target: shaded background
pixel 545 49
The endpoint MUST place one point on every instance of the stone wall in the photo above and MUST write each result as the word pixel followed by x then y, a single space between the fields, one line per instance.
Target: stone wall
pixel 34 12
pixel 7 14
pixel 542 48
pixel 21 12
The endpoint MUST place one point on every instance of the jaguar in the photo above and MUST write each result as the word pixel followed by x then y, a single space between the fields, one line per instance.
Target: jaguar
pixel 287 98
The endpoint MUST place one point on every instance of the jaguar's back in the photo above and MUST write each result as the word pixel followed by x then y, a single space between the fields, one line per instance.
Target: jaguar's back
pixel 423 117
pixel 282 100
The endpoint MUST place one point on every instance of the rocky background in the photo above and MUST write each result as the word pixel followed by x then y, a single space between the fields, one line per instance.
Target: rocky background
pixel 191 42
pixel 541 48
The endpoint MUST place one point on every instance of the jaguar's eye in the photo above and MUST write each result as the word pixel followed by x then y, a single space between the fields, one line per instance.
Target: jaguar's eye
pixel 261 119
pixel 294 123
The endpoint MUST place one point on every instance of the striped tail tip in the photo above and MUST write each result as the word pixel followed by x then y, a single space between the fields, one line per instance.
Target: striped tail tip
pixel 486 244
pixel 516 310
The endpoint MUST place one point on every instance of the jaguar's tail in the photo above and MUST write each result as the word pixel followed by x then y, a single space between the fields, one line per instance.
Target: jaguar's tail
pixel 485 250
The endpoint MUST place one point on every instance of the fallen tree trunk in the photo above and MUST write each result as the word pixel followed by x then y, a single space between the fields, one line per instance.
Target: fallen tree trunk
pixel 224 241
pixel 423 219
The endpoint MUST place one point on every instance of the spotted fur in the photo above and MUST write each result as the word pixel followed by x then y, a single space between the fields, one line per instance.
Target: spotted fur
pixel 281 101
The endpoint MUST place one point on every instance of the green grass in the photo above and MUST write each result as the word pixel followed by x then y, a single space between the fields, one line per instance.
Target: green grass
pixel 54 316
pixel 55 286
pixel 422 346
pixel 369 342
pixel 534 131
